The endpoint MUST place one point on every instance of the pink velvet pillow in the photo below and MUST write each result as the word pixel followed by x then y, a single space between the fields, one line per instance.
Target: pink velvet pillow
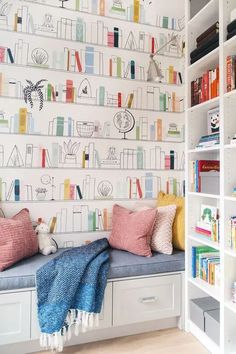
pixel 17 239
pixel 131 231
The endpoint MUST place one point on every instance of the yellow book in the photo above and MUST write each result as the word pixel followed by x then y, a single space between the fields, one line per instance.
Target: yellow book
pixel 131 97
pixel 53 224
pixel 83 159
pixel 171 74
pixel 136 10
pixel 67 189
pixel 22 120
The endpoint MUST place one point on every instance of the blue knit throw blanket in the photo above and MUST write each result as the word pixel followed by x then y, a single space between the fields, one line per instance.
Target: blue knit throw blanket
pixel 70 290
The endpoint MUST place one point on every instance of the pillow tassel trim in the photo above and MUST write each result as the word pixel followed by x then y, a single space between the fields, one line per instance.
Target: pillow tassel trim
pixel 78 320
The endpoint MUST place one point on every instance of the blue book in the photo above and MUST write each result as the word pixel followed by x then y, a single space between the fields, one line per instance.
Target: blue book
pixel 89 60
pixel 17 190
pixel 194 262
pixel 149 185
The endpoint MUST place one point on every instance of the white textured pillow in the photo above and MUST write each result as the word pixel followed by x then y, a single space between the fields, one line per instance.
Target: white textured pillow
pixel 161 239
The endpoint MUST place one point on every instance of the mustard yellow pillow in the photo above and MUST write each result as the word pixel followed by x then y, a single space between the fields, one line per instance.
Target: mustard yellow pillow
pixel 178 225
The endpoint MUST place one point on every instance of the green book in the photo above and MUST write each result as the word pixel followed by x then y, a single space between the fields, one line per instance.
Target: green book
pixel 60 126
pixel 79 30
pixel 101 96
pixel 140 159
pixel 90 221
pixel 161 98
pixel 137 132
pixel 118 67
pixel 49 92
pixel 196 253
pixel 165 22
pixel 175 186
pixel 77 5
pixel 94 221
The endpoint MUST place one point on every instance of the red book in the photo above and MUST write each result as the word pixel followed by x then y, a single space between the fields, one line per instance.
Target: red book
pixel 110 67
pixel 69 91
pixel 153 45
pixel 140 193
pixel 206 166
pixel 43 158
pixel 119 99
pixel 78 62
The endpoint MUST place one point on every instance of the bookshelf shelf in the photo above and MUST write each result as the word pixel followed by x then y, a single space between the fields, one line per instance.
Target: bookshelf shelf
pixel 230 252
pixel 208 60
pixel 230 199
pixel 230 306
pixel 91 44
pixel 203 195
pixel 97 138
pixel 204 150
pixel 86 74
pixel 230 146
pixel 229 43
pixel 203 338
pixel 93 105
pixel 81 201
pixel 205 105
pixel 89 169
pixel 230 94
pixel 207 288
pixel 204 241
pixel 99 16
pixel 201 19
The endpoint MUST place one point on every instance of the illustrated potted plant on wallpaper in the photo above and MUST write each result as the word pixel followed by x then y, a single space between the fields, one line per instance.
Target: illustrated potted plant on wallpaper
pixel 71 150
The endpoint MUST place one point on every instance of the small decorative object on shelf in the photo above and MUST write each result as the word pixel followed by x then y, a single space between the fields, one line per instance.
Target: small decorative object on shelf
pixel 124 121
pixel 208 225
pixel 62 3
pixel 234 292
pixel 213 129
pixel 233 140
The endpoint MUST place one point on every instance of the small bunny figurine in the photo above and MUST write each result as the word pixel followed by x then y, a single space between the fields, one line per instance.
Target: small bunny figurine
pixel 46 243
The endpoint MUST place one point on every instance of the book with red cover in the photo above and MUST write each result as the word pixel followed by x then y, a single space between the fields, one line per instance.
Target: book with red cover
pixel 69 91
pixel 206 166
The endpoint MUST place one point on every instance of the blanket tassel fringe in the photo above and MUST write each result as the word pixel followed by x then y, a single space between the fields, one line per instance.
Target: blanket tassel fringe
pixel 80 321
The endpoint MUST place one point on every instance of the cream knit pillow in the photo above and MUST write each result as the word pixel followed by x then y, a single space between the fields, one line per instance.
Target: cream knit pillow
pixel 161 239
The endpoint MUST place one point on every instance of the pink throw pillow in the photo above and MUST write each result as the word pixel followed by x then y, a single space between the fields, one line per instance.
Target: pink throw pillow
pixel 131 231
pixel 17 239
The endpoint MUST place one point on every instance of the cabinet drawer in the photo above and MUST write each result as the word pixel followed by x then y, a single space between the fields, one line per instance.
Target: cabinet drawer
pixel 146 299
pixel 14 317
pixel 105 316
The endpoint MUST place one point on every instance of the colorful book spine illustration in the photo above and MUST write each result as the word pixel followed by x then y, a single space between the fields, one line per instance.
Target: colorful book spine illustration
pixel 69 91
pixel 22 120
pixel 136 11
pixel 67 189
pixel 116 37
pixel 17 190
pixel 102 8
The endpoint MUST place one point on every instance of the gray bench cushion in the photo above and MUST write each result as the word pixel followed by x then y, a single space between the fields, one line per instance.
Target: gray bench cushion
pixel 123 264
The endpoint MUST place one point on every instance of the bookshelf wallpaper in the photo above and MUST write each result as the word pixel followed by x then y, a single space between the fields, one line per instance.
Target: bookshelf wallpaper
pixel 80 126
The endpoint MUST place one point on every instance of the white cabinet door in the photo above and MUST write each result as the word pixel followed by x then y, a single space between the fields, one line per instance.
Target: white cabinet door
pixel 14 317
pixel 146 299
pixel 105 316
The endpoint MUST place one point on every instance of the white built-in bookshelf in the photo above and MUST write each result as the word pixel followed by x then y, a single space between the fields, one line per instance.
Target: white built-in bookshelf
pixel 196 123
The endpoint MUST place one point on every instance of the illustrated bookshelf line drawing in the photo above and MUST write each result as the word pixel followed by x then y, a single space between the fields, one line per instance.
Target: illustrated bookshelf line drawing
pixel 68 139
pixel 83 62
pixel 49 189
pixel 71 154
pixel 140 98
pixel 121 13
pixel 24 122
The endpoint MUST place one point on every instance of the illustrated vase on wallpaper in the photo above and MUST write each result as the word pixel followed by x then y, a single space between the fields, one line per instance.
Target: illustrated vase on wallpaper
pixel 71 152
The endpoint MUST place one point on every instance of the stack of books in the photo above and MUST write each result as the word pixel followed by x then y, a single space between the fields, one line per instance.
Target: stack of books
pixel 232 238
pixel 208 140
pixel 206 42
pixel 204 176
pixel 206 264
pixel 206 87
pixel 209 223
pixel 231 72
pixel 231 29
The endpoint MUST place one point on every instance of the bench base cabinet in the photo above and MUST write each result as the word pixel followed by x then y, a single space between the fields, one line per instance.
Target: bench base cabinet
pixel 127 301
pixel 146 299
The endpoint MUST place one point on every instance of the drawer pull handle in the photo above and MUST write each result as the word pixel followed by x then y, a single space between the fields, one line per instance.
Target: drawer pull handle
pixel 147 300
